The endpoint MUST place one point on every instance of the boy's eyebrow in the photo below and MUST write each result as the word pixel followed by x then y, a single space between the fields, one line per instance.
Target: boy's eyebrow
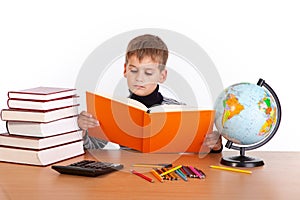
pixel 131 65
pixel 146 68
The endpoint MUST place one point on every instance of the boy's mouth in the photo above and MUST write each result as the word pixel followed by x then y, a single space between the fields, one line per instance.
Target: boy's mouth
pixel 138 87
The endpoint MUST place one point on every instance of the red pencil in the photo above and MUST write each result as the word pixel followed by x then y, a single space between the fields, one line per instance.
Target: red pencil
pixel 142 176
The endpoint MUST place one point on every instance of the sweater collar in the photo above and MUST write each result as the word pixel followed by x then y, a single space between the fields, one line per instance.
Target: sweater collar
pixel 155 98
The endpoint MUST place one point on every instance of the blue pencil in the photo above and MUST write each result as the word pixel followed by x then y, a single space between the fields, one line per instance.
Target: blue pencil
pixel 179 173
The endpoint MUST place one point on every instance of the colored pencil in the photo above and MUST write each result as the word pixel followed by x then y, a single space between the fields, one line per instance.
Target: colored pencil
pixel 195 171
pixel 203 175
pixel 188 172
pixel 159 171
pixel 168 177
pixel 171 170
pixel 231 169
pixel 152 165
pixel 142 176
pixel 174 175
pixel 157 175
pixel 181 175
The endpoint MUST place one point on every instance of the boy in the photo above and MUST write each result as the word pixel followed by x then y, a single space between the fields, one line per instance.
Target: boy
pixel 144 68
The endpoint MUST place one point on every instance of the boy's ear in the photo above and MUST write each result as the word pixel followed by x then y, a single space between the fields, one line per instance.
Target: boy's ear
pixel 125 72
pixel 163 76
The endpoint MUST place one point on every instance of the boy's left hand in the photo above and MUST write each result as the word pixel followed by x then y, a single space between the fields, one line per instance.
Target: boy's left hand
pixel 85 120
pixel 213 140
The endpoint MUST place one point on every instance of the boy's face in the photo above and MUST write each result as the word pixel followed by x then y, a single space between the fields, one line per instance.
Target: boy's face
pixel 143 76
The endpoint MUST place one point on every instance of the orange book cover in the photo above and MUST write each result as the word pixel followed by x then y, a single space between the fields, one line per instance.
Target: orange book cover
pixel 164 128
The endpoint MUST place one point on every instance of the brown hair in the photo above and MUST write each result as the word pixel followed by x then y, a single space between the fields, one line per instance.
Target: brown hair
pixel 148 45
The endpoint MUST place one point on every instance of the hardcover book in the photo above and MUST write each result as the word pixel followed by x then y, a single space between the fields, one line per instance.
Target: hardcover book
pixel 38 115
pixel 41 157
pixel 164 128
pixel 32 104
pixel 42 129
pixel 41 93
pixel 39 143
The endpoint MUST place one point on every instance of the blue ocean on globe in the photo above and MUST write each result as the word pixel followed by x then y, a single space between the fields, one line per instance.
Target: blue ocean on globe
pixel 245 113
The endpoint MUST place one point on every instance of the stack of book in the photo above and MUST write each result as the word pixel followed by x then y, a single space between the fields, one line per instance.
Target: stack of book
pixel 41 126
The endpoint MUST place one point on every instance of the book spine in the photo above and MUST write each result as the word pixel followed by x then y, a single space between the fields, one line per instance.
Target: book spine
pixel 42 149
pixel 6 125
pixel 38 116
pixel 146 133
pixel 8 94
pixel 44 101
pixel 1 113
pixel 39 111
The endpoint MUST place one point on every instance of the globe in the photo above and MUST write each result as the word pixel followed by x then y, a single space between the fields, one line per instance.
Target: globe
pixel 247 115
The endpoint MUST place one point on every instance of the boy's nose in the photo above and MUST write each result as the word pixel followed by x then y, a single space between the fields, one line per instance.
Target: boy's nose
pixel 140 76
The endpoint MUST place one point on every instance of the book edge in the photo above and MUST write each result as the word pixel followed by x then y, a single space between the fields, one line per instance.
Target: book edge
pixel 123 100
pixel 35 93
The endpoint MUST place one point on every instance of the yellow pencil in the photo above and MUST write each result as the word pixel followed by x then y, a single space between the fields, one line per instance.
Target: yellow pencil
pixel 171 170
pixel 231 169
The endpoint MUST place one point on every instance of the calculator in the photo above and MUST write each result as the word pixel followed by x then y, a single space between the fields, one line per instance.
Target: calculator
pixel 89 168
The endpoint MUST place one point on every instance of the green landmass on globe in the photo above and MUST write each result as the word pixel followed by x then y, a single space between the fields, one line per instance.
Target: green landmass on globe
pixel 245 113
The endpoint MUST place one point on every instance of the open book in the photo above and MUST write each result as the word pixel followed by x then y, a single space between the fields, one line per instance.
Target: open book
pixel 163 128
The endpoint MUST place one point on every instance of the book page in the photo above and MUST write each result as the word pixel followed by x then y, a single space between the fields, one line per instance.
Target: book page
pixel 172 108
pixel 124 100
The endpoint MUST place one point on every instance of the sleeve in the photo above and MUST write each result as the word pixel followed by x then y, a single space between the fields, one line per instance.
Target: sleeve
pixel 93 143
pixel 217 151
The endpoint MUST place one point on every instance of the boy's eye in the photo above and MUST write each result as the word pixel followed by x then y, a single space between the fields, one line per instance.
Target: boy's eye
pixel 133 70
pixel 149 72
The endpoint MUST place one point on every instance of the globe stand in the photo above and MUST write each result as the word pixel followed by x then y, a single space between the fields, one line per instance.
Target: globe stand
pixel 245 161
pixel 241 160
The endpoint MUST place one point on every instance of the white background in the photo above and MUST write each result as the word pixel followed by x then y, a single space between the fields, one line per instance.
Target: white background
pixel 46 42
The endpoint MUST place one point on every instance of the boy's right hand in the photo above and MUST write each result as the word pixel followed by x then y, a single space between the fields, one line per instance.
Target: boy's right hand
pixel 85 120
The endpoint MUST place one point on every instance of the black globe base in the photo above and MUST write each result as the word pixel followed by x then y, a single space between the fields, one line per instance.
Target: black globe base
pixel 242 161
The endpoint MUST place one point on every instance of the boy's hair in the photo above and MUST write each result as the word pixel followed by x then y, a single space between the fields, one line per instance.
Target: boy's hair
pixel 148 45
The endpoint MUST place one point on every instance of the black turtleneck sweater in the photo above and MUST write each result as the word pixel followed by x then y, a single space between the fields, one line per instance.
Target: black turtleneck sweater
pixel 155 98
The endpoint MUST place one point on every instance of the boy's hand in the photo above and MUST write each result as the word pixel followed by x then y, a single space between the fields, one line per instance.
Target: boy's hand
pixel 86 120
pixel 213 140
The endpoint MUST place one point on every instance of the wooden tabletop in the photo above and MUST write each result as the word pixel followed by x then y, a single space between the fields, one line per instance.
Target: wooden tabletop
pixel 277 179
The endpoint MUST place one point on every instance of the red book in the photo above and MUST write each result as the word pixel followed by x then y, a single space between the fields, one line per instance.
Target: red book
pixel 41 93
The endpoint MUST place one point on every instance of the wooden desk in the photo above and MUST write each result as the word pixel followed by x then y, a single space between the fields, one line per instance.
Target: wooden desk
pixel 277 179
